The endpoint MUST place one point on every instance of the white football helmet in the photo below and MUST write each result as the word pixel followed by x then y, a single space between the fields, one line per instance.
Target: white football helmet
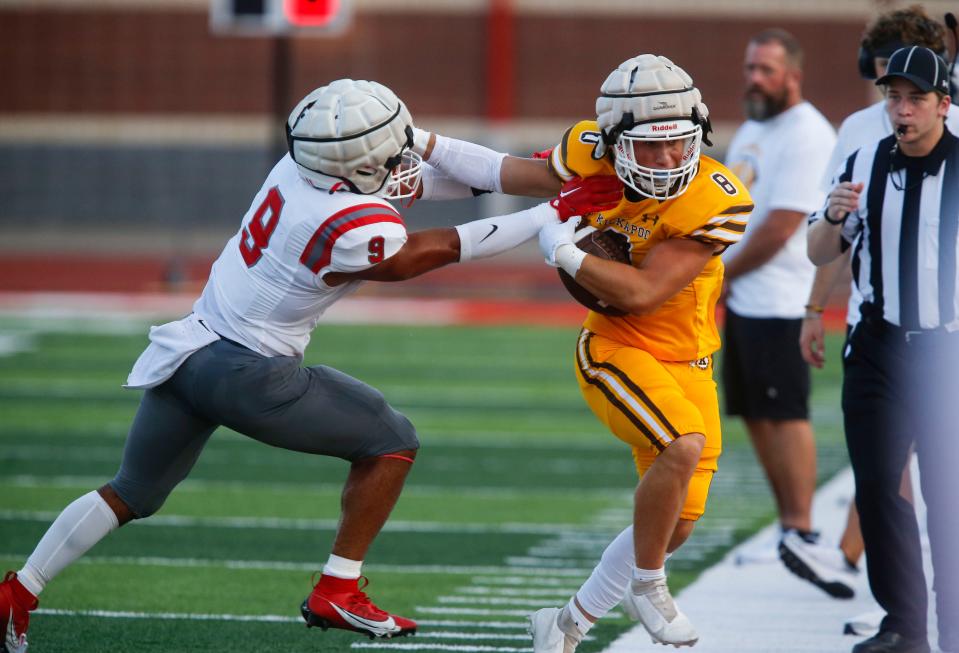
pixel 649 98
pixel 358 133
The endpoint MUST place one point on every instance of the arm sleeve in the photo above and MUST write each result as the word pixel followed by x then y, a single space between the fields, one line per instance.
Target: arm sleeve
pixel 472 165
pixel 492 236
pixel 437 185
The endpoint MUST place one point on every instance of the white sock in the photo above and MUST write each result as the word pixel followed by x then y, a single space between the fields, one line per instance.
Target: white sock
pixel 608 583
pixel 577 618
pixel 82 524
pixel 645 575
pixel 342 567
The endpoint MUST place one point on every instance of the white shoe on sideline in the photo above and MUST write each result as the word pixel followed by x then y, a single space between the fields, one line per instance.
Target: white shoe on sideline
pixel 547 635
pixel 651 604
pixel 822 565
pixel 762 551
pixel 865 624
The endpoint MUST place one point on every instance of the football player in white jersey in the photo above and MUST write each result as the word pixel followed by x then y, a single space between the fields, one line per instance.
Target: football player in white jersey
pixel 319 226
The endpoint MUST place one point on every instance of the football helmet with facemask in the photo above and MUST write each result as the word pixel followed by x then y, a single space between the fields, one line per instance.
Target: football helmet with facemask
pixel 649 98
pixel 356 133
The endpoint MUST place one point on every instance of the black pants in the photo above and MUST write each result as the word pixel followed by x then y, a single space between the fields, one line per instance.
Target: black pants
pixel 895 393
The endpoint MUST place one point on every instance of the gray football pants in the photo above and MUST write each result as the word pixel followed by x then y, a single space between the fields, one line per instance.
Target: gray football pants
pixel 317 410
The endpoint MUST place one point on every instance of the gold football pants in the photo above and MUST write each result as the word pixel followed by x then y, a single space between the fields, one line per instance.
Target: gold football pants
pixel 648 403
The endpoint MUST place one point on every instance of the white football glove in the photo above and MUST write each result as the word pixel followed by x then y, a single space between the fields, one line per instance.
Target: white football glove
pixel 557 245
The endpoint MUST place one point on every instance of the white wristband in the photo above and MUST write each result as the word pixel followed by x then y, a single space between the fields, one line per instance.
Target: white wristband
pixel 569 258
pixel 468 163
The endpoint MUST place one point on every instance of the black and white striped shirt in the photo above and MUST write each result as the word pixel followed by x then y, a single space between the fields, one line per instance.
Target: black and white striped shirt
pixel 904 234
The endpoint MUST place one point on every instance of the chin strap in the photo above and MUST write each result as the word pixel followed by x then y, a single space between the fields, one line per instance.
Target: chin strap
pixel 704 124
pixel 609 136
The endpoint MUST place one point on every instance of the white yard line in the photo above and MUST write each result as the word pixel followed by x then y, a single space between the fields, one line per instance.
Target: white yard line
pixel 532 603
pixel 483 590
pixel 482 612
pixel 464 648
pixel 196 485
pixel 525 581
pixel 464 623
pixel 282 523
pixel 280 565
pixel 534 561
pixel 188 616
pixel 274 618
pixel 14 343
pixel 452 634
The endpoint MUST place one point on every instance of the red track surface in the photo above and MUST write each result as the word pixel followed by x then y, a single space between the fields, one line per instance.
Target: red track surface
pixel 476 293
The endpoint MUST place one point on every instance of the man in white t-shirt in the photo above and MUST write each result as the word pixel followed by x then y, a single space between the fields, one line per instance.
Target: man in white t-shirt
pixel 780 153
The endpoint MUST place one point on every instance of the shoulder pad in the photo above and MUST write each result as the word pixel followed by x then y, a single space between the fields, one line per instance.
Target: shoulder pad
pixel 573 157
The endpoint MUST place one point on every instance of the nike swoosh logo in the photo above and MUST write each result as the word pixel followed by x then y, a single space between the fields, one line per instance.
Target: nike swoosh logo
pixel 379 627
pixel 14 644
pixel 491 232
pixel 568 193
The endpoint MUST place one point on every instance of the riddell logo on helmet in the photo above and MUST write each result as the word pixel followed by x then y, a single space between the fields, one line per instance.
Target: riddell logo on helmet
pixel 664 128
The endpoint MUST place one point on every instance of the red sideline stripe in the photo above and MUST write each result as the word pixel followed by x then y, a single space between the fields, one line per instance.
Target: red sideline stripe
pixel 327 254
pixel 528 313
pixel 451 311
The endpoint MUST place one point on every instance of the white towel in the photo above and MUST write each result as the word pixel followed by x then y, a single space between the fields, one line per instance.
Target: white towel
pixel 170 345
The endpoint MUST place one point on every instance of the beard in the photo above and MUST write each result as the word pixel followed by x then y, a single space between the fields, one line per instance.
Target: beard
pixel 760 105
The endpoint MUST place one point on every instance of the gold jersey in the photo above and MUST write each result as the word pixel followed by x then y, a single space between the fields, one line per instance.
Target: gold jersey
pixel 713 210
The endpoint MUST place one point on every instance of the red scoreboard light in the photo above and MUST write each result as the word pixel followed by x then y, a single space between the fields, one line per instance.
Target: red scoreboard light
pixel 312 13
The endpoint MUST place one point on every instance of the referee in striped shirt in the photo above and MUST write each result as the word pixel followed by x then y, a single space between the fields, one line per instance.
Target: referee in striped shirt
pixel 896 203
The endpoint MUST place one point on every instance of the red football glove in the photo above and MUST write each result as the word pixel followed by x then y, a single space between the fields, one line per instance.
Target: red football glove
pixel 542 154
pixel 580 196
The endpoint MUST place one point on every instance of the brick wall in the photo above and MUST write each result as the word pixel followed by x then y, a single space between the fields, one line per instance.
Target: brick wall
pixel 167 61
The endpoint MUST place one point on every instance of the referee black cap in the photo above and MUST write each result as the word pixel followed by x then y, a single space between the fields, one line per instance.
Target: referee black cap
pixel 919 65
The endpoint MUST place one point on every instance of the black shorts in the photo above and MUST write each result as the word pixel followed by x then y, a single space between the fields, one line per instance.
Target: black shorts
pixel 763 373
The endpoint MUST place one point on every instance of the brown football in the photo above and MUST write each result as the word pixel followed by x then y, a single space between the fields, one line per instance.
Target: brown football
pixel 607 244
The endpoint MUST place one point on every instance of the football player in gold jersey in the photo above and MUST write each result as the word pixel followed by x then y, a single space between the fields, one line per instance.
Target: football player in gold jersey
pixel 647 375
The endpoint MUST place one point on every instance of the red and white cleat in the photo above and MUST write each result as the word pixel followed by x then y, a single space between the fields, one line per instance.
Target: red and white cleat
pixel 341 603
pixel 16 602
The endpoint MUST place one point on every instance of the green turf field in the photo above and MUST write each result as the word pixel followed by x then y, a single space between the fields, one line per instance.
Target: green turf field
pixel 515 493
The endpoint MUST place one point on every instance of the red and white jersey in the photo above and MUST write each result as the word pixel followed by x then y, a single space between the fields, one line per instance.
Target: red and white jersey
pixel 266 289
